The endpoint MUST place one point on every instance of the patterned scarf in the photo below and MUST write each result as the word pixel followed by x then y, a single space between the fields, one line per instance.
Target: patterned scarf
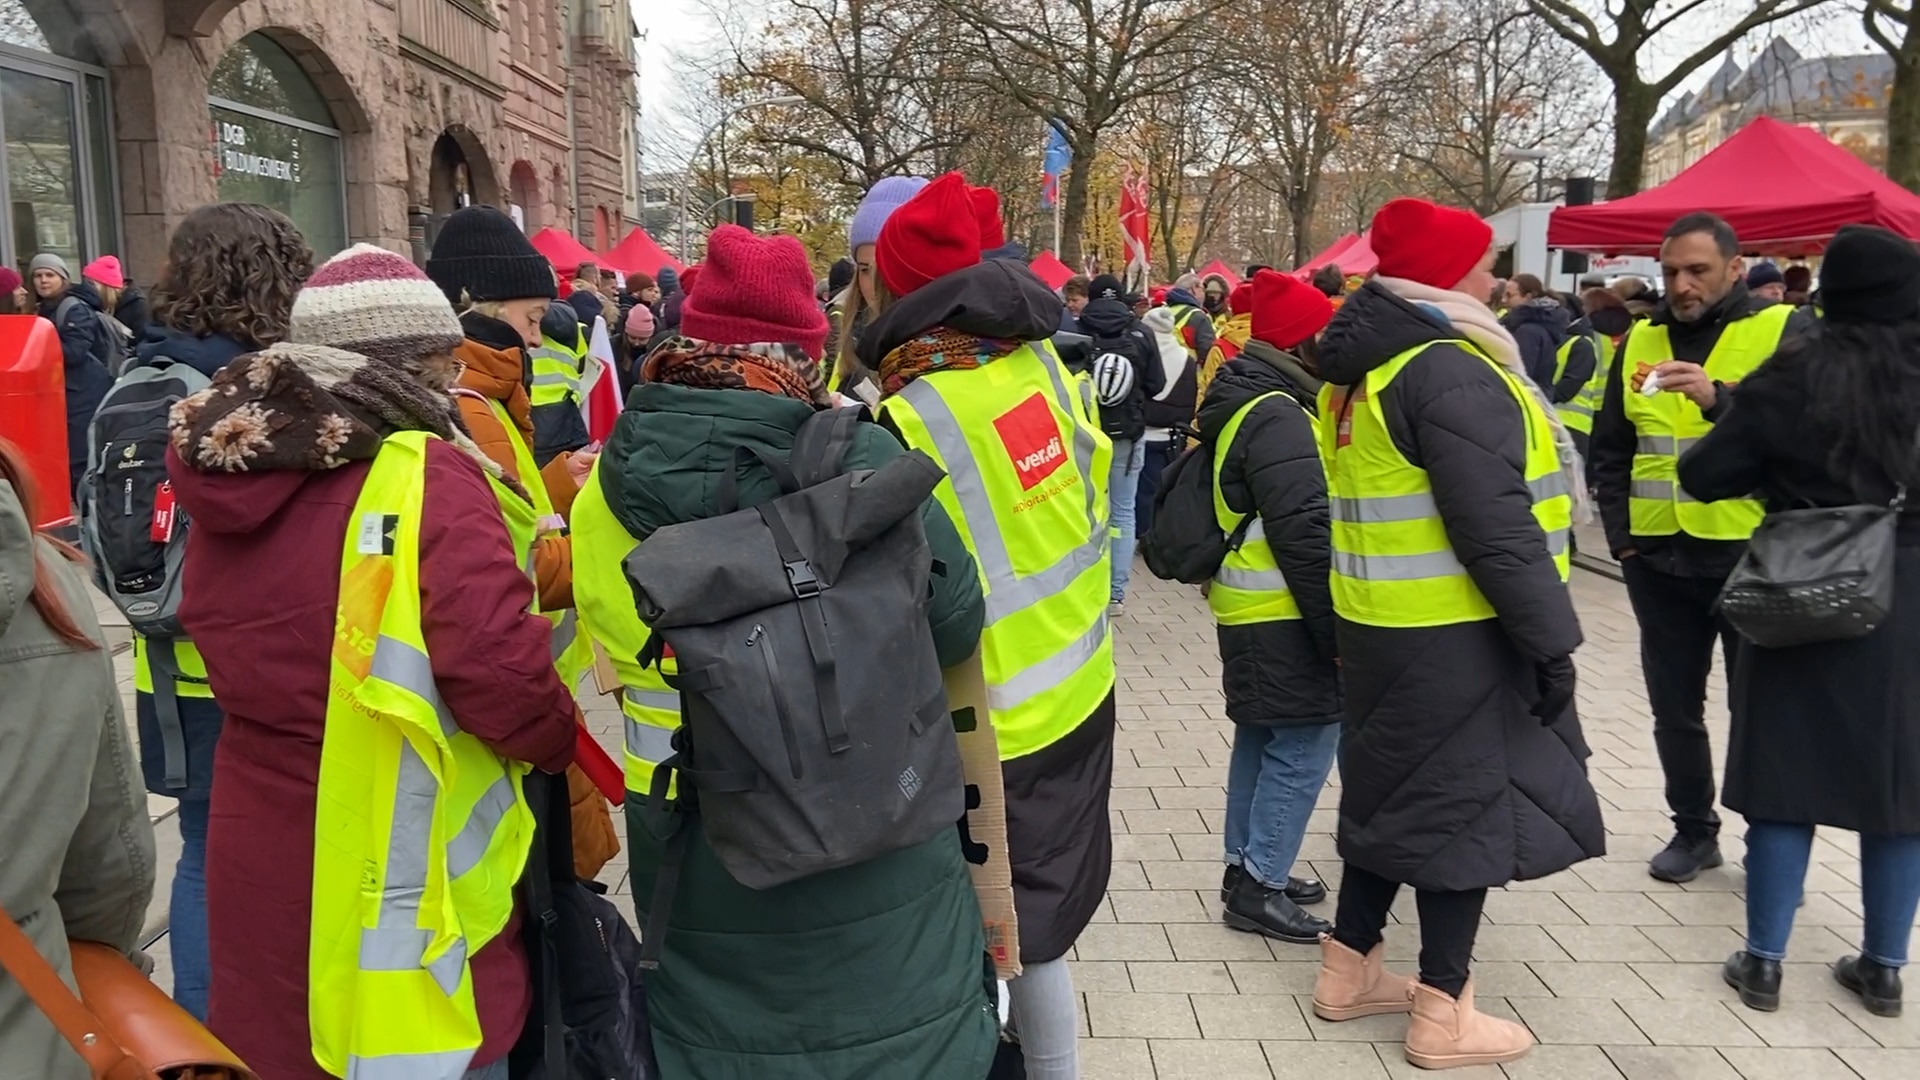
pixel 766 366
pixel 939 349
pixel 310 408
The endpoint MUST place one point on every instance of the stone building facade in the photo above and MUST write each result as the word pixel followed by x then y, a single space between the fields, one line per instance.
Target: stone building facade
pixel 365 120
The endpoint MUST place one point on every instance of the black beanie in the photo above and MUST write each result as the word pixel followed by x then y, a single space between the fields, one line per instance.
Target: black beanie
pixel 1870 275
pixel 839 276
pixel 1105 287
pixel 480 252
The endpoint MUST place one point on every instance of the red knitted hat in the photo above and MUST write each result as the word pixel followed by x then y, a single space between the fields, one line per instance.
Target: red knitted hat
pixel 754 289
pixel 1433 245
pixel 932 236
pixel 1240 300
pixel 687 277
pixel 986 213
pixel 1286 310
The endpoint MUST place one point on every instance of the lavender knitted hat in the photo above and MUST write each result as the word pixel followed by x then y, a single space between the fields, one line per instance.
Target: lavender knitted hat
pixel 885 197
pixel 371 301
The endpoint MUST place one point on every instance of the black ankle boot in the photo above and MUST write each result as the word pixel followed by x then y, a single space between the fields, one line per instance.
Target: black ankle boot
pixel 1757 980
pixel 1877 985
pixel 1230 880
pixel 1257 909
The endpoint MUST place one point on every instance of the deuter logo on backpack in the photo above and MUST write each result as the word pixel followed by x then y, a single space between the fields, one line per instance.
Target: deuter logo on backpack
pixel 1032 438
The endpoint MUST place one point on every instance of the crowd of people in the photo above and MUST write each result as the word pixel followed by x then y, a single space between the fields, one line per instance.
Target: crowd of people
pixel 405 551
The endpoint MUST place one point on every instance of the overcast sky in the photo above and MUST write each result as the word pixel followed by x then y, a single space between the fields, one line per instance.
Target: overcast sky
pixel 679 27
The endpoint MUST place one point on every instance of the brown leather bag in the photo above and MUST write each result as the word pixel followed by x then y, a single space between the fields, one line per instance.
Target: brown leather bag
pixel 124 1026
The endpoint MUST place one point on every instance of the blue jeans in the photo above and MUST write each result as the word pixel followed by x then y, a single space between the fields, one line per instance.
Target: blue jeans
pixel 1777 867
pixel 1159 455
pixel 187 910
pixel 1273 779
pixel 1123 485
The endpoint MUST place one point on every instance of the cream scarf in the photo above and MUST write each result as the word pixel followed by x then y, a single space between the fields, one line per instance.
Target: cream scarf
pixel 1475 322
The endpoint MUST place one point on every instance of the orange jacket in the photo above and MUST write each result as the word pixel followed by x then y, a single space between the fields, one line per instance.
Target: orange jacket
pixel 497 375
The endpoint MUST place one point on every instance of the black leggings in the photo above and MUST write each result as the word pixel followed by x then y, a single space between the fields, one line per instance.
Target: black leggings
pixel 1449 921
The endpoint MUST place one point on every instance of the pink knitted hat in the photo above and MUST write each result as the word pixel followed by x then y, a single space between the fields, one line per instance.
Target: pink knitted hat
pixel 370 301
pixel 105 270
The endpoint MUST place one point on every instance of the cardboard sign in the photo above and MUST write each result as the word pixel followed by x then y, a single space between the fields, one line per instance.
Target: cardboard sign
pixel 983 836
pixel 605 678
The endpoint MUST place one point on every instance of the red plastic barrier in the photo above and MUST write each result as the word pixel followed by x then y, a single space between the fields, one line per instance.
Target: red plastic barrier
pixel 33 408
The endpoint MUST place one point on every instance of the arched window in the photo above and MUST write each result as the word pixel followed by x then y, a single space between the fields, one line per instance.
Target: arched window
pixel 275 141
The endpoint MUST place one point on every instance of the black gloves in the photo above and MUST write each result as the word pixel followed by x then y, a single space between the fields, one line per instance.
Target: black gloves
pixel 1555 680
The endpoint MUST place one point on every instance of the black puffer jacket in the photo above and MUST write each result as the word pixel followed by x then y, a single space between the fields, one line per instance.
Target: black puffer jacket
pixel 1113 328
pixel 1538 327
pixel 1448 780
pixel 1278 673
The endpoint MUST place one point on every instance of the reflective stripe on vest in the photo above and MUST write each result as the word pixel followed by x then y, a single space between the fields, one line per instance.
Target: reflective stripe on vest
pixel 1666 424
pixel 1393 561
pixel 193 669
pixel 1026 486
pixel 1575 413
pixel 572 653
pixel 649 707
pixel 1578 414
pixel 420 830
pixel 556 371
pixel 1249 586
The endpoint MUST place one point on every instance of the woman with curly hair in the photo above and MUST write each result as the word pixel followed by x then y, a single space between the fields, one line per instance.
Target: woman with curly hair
pixel 226 290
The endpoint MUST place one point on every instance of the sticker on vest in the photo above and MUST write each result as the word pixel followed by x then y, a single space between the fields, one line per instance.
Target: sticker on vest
pixel 1032 438
pixel 377 533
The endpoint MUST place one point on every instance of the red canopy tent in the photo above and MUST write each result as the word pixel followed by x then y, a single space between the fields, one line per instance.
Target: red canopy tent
pixel 563 251
pixel 638 254
pixel 1785 190
pixel 1048 268
pixel 1358 258
pixel 1216 267
pixel 1330 254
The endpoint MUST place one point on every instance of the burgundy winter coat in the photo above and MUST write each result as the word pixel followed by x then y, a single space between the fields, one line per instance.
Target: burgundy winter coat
pixel 261 584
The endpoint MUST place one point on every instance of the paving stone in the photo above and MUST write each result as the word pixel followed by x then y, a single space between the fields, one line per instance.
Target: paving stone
pixel 1670 1063
pixel 1107 975
pixel 1189 977
pixel 1177 798
pixel 1211 941
pixel 1506 979
pixel 1132 798
pixel 1116 1059
pixel 1237 1059
pixel 1592 979
pixel 1249 1016
pixel 1882 1064
pixel 1618 909
pixel 1123 941
pixel 1181 905
pixel 1577 1020
pixel 1144 848
pixel 1177 874
pixel 1704 908
pixel 1796 1025
pixel 1274 976
pixel 1310 1060
pixel 1696 1022
pixel 1163 821
pixel 1150 1016
pixel 1696 944
pixel 1528 909
pixel 1772 1064
pixel 1563 1063
pixel 1673 981
pixel 1521 943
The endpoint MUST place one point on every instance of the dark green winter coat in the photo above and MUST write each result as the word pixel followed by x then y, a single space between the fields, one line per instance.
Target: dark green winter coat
pixel 875 971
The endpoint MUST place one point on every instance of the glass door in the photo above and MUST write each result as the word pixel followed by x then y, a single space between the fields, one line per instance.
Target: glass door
pixel 42 167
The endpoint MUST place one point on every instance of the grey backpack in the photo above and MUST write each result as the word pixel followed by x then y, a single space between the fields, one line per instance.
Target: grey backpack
pixel 814 725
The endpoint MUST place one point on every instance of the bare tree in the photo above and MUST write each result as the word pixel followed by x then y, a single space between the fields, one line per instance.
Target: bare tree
pixel 1308 75
pixel 1080 65
pixel 1191 160
pixel 1501 85
pixel 1621 31
pixel 1891 26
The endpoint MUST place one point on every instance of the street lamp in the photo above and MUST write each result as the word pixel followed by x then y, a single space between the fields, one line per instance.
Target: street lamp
pixel 1539 159
pixel 712 129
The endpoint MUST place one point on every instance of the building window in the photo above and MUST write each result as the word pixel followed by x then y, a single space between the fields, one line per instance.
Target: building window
pixel 56 161
pixel 275 143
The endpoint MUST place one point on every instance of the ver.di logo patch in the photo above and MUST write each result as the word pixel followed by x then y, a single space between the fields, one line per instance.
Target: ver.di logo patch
pixel 1032 439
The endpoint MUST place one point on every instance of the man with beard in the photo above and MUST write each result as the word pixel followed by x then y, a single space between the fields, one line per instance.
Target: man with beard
pixel 1673 379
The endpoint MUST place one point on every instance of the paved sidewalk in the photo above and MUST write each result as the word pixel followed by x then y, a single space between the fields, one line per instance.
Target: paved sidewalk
pixel 1616 974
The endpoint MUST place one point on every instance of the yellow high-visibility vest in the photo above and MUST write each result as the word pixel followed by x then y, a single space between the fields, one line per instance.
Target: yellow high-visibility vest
pixel 609 615
pixel 1026 487
pixel 1249 588
pixel 192 681
pixel 1577 412
pixel 557 370
pixel 572 652
pixel 1393 563
pixel 1667 425
pixel 420 830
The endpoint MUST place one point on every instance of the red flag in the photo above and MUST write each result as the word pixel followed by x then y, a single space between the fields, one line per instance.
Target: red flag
pixel 1134 226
